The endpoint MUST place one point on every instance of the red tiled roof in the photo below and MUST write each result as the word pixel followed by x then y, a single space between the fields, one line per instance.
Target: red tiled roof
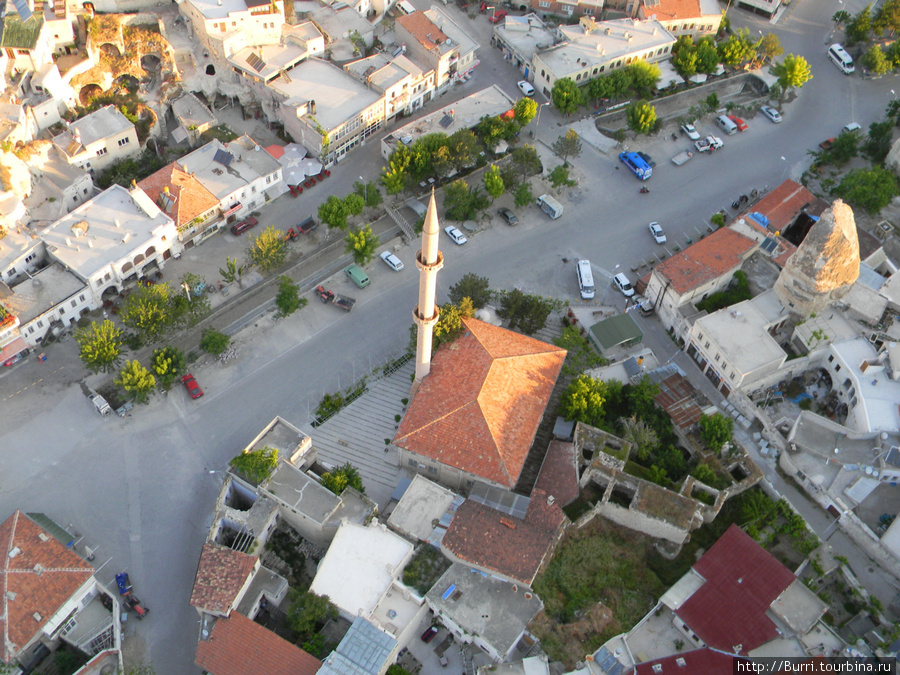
pixel 783 204
pixel 239 646
pixel 189 198
pixel 741 581
pixel 423 29
pixel 41 576
pixel 667 10
pixel 277 151
pixel 559 474
pixel 480 407
pixel 711 257
pixel 221 575
pixel 698 662
pixel 496 541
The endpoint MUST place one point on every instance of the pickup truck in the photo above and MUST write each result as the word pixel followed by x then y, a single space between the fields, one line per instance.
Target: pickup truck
pixel 709 144
pixel 344 302
pixel 682 157
pixel 307 226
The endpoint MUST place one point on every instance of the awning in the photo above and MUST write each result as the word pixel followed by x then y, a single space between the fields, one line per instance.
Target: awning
pixel 13 348
pixel 233 209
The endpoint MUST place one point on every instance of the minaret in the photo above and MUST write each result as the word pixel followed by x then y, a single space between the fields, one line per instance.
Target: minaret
pixel 429 260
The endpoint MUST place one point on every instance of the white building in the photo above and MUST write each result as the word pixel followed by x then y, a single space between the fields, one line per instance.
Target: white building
pixel 240 174
pixel 404 85
pixel 112 241
pixel 258 66
pixel 695 18
pixel 50 298
pixel 227 26
pixel 595 48
pixel 52 97
pixel 438 44
pixel 26 40
pixel 867 382
pixel 98 140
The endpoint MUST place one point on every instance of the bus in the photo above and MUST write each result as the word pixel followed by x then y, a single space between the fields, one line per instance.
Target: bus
pixel 638 165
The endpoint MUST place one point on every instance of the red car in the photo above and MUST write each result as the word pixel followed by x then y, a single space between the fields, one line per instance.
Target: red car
pixel 193 389
pixel 739 123
pixel 497 16
pixel 244 225
pixel 429 634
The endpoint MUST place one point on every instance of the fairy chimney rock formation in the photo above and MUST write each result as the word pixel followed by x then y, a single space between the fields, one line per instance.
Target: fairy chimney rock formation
pixel 824 266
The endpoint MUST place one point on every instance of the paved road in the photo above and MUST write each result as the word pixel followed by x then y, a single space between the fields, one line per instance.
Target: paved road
pixel 140 488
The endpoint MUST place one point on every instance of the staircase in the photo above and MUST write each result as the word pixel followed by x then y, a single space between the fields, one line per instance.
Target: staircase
pixel 407 230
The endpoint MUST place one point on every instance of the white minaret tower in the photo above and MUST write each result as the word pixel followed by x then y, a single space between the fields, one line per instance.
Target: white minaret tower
pixel 429 260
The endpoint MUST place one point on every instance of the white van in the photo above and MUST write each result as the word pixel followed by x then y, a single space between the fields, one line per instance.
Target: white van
pixel 405 7
pixel 726 125
pixel 841 59
pixel 550 206
pixel 623 284
pixel 585 279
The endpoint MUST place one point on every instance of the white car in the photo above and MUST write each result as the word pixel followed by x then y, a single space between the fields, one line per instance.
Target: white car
pixel 771 113
pixel 458 237
pixel 657 233
pixel 392 261
pixel 623 284
pixel 525 87
pixel 690 132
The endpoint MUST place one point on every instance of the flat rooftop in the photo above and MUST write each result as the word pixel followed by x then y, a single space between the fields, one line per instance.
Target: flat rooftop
pixel 819 436
pixel 383 72
pixel 218 9
pixel 15 244
pixel 494 610
pixel 740 332
pixel 42 291
pixel 275 58
pixel 527 34
pixel 338 23
pixel 423 503
pixel 302 493
pixel 452 30
pixel 245 165
pixel 338 96
pixel 102 123
pixel 118 223
pixel 877 393
pixel 282 436
pixel 190 110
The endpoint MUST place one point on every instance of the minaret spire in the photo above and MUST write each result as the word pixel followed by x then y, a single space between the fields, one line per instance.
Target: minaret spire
pixel 429 260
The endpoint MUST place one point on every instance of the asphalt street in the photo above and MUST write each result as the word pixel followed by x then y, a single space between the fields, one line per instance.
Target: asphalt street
pixel 140 488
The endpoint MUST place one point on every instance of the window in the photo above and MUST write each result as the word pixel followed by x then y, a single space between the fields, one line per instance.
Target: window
pixel 699 336
pixel 30 330
pixel 81 297
pixel 101 152
pixel 717 358
pixel 544 4
pixel 40 324
pixel 253 189
pixel 74 304
pixel 106 277
pixel 732 376
pixel 31 257
pixel 837 368
pixel 268 179
pixel 831 358
pixel 85 190
pixel 657 667
pixel 62 311
pixel 124 141
pixel 706 346
pixel 432 471
pixel 412 463
pixel 99 282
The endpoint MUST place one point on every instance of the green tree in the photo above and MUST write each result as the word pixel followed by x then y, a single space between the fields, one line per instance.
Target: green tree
pixel 334 212
pixel 146 311
pixel 768 47
pixel 362 244
pixel 493 182
pixel 189 307
pixel 355 204
pixel 640 396
pixel 369 192
pixel 559 177
pixel 887 17
pixel 136 380
pixel 840 18
pixel 597 89
pixel 288 299
pixel 876 61
pixel 859 27
pixel 464 147
pixel 256 465
pixel 442 162
pixel 309 612
pixel 793 72
pixel 736 49
pixel 100 346
pixel 267 251
pixel 704 474
pixel 684 56
pixel 474 287
pixel 525 161
pixel 232 271
pixel 525 110
pixel 526 312
pixel 644 76
pixel 641 117
pixel 395 176
pixel 491 130
pixel 567 145
pixel 462 202
pixel 214 342
pixel 878 142
pixel 707 56
pixel 844 148
pixel 869 189
pixel 657 474
pixel 523 195
pixel 450 325
pixel 583 401
pixel 716 430
pixel 167 364
pixel 641 435
pixel 566 96
pixel 756 507
pixel 343 477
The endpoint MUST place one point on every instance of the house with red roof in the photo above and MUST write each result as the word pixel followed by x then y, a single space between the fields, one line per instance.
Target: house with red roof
pixel 47 593
pixel 706 661
pixel 695 18
pixel 474 418
pixel 194 209
pixel 690 275
pixel 223 577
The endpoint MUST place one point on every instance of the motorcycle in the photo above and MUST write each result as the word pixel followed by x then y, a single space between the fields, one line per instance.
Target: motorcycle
pixel 644 190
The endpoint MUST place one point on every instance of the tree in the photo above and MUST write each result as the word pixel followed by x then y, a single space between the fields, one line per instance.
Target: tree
pixel 878 143
pixel 756 507
pixel 583 401
pixel 267 250
pixel 736 49
pixel 704 474
pixel 887 17
pixel 464 147
pixel 167 364
pixel 768 47
pixel 355 204
pixel 876 61
pixel 334 212
pixel 840 18
pixel 559 177
pixel 493 182
pixel 288 299
pixel 394 176
pixel 491 130
pixel 191 306
pixel 343 477
pixel 524 195
pixel 256 465
pixel 869 189
pixel 684 56
pixel 859 27
pixel 568 145
pixel 214 342
pixel 463 203
pixel 844 148
pixel 526 312
pixel 566 96
pixel 640 434
pixel 309 612
pixel 450 325
pixel 474 287
pixel 707 56
pixel 136 380
pixel 525 161
pixel 597 89
pixel 715 430
pixel 525 110
pixel 369 192
pixel 641 117
pixel 232 271
pixel 100 346
pixel 641 395
pixel 644 76
pixel 362 244
pixel 146 311
pixel 793 72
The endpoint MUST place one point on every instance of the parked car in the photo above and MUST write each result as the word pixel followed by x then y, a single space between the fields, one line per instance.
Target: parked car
pixel 244 225
pixel 193 389
pixel 508 216
pixel 525 87
pixel 621 282
pixel 392 261
pixel 770 112
pixel 690 132
pixel 429 633
pixel 458 237
pixel 738 122
pixel 497 16
pixel 657 233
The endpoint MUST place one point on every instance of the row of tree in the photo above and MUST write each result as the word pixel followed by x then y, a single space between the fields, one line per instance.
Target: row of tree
pixel 864 24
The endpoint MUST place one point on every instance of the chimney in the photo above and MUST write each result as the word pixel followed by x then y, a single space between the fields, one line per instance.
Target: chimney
pixel 429 260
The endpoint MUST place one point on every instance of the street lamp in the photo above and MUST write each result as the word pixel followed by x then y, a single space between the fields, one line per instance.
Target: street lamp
pixel 538 121
pixel 365 190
